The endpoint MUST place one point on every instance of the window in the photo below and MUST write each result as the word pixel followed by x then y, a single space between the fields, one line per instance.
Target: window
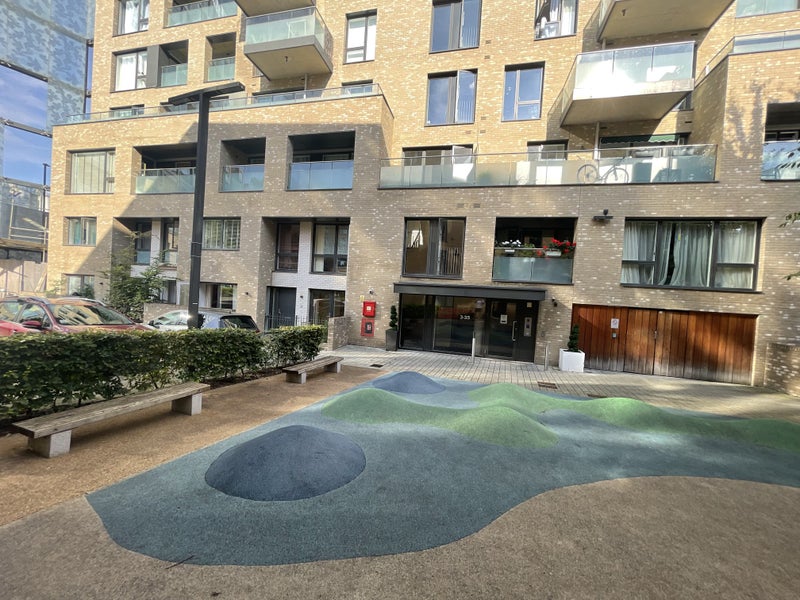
pixel 79 285
pixel 361 37
pixel 81 231
pixel 522 96
pixel 451 98
pixel 92 172
pixel 330 248
pixel 133 16
pixel 325 304
pixel 690 254
pixel 288 247
pixel 142 236
pixel 218 295
pixel 547 150
pixel 747 8
pixel 555 18
pixel 131 71
pixel 456 24
pixel 434 247
pixel 169 241
pixel 221 234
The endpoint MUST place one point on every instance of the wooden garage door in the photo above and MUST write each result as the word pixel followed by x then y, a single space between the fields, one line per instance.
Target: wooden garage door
pixel 695 345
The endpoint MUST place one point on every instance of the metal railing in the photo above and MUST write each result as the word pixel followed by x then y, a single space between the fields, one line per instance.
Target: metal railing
pixel 647 164
pixel 262 100
pixel 195 12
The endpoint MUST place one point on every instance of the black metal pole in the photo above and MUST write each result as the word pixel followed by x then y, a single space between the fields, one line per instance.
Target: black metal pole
pixel 196 248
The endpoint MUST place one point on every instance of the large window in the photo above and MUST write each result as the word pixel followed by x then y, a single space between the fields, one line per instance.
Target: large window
pixel 133 16
pixel 79 285
pixel 522 96
pixel 690 254
pixel 330 248
pixel 131 71
pixel 747 8
pixel 451 98
pixel 288 247
pixel 434 247
pixel 361 37
pixel 456 24
pixel 221 234
pixel 555 18
pixel 81 231
pixel 324 304
pixel 92 172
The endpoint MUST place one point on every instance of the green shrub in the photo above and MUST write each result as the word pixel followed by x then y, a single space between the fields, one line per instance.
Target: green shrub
pixel 291 345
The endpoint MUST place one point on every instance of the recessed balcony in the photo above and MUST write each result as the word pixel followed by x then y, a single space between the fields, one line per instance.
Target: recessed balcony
pixel 253 8
pixel 632 18
pixel 781 161
pixel 647 164
pixel 289 44
pixel 195 12
pixel 531 265
pixel 242 178
pixel 321 175
pixel 221 69
pixel 629 84
pixel 177 180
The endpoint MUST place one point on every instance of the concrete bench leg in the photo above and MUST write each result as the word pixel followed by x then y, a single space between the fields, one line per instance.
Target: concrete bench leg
pixel 334 368
pixel 191 405
pixel 51 445
pixel 296 377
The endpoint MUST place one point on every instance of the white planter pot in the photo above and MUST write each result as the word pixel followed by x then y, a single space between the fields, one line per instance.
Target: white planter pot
pixel 570 361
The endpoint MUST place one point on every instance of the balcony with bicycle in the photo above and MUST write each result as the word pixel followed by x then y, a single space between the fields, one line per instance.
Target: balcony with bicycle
pixel 647 164
pixel 620 19
pixel 289 43
pixel 628 84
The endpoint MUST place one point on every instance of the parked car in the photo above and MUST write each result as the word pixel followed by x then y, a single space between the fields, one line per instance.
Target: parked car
pixel 31 314
pixel 177 320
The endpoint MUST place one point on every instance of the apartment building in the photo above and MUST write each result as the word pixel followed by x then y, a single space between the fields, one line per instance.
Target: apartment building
pixel 497 171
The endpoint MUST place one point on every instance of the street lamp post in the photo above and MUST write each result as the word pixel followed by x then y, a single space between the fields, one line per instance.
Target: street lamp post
pixel 203 99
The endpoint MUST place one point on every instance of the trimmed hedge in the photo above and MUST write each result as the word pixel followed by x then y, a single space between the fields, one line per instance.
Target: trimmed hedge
pixel 42 373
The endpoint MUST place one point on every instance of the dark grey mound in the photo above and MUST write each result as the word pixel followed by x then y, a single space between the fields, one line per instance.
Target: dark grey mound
pixel 409 382
pixel 290 463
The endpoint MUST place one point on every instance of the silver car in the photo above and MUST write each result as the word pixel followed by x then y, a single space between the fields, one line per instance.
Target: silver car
pixel 177 320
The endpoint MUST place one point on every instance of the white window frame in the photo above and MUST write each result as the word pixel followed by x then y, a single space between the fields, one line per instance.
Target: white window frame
pixel 134 16
pixel 361 33
pixel 131 76
pixel 222 234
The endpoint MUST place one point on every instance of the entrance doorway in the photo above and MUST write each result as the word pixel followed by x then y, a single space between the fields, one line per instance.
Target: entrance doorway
pixel 511 329
pixel 281 307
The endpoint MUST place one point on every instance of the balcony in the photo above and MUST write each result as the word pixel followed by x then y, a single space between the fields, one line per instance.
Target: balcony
pixel 195 12
pixel 178 180
pixel 173 75
pixel 633 18
pixel 289 44
pixel 629 84
pixel 530 265
pixel 242 178
pixel 253 8
pixel 648 164
pixel 781 161
pixel 321 175
pixel 221 69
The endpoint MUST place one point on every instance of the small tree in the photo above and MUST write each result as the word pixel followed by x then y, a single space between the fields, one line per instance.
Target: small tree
pixel 572 343
pixel 393 317
pixel 128 293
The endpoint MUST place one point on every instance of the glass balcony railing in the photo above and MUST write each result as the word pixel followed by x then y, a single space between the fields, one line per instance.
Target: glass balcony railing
pixel 657 164
pixel 321 175
pixel 165 181
pixel 281 98
pixel 287 25
pixel 531 265
pixel 195 12
pixel 169 258
pixel 767 42
pixel 220 69
pixel 173 75
pixel 780 160
pixel 242 178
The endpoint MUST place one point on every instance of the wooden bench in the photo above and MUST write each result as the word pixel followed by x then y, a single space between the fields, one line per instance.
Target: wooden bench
pixel 50 435
pixel 297 373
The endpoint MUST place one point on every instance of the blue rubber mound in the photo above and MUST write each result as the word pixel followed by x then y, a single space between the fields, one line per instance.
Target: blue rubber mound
pixel 409 382
pixel 290 463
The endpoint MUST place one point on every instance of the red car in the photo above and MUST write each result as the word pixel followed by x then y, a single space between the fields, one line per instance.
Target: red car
pixel 60 315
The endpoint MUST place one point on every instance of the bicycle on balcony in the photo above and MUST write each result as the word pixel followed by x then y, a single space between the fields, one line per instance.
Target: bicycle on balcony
pixel 590 173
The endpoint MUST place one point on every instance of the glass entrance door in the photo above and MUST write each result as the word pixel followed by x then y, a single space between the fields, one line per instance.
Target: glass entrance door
pixel 511 329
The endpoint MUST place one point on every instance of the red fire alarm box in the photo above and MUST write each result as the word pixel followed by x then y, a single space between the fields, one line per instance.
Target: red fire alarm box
pixel 368 309
pixel 367 327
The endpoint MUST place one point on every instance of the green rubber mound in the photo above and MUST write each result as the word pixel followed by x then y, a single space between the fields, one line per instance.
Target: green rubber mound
pixel 494 423
pixel 640 416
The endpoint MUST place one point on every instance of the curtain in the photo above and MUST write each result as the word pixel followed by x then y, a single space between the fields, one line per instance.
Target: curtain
pixel 736 250
pixel 691 254
pixel 639 244
pixel 126 72
pixel 465 97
